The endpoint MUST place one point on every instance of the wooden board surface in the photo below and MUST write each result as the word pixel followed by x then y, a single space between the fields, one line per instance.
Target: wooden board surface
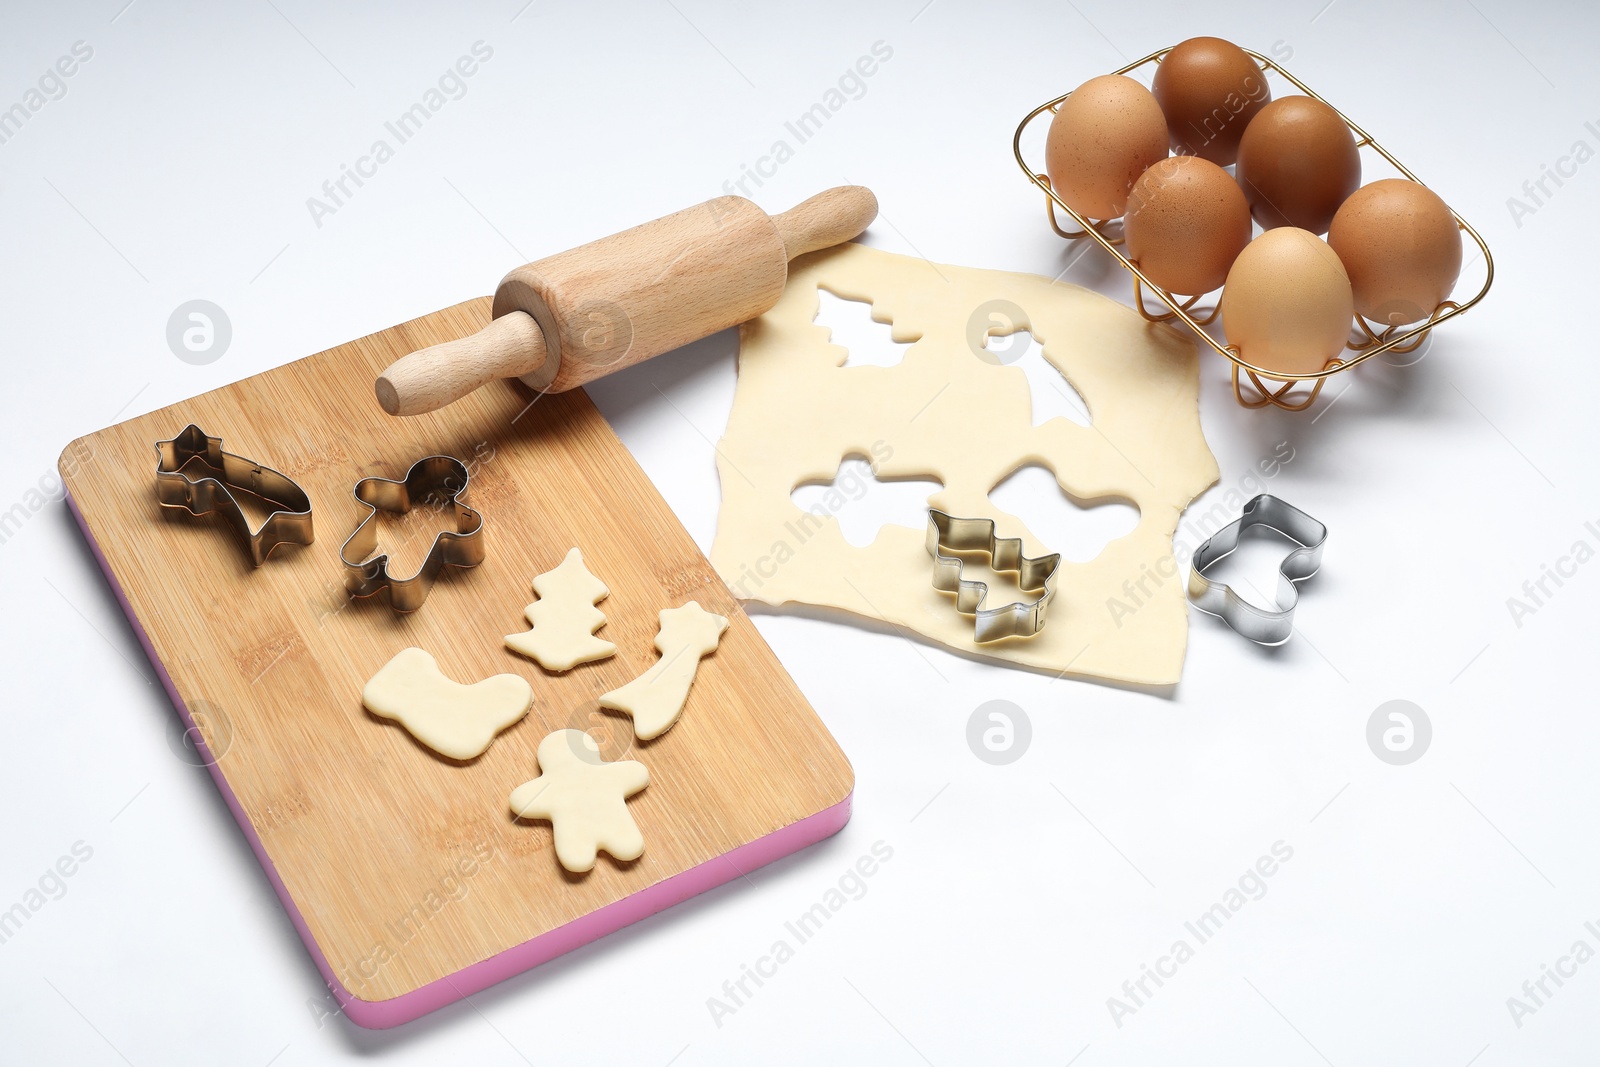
pixel 407 867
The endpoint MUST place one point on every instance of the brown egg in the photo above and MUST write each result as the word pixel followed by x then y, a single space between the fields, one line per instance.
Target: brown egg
pixel 1287 303
pixel 1102 138
pixel 1401 247
pixel 1185 224
pixel 1297 163
pixel 1209 90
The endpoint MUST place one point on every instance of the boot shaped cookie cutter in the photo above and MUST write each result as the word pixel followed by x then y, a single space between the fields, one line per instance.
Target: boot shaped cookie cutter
pixel 435 481
pixel 1021 619
pixel 1265 626
pixel 288 524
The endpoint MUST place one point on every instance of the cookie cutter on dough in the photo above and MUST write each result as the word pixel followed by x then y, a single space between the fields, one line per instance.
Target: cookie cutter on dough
pixel 1020 619
pixel 1265 626
pixel 438 481
pixel 288 524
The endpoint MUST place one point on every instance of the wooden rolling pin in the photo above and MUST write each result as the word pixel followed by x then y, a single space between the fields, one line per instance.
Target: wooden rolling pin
pixel 582 314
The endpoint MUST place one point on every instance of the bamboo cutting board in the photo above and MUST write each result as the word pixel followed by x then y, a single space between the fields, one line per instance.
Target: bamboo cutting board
pixel 407 876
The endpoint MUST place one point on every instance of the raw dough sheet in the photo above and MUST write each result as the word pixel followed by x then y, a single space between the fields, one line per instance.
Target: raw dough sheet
pixel 948 414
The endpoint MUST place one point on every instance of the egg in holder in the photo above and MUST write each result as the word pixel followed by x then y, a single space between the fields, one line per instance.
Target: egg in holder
pixel 1273 381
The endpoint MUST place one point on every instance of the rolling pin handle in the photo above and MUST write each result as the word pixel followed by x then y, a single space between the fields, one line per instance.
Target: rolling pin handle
pixel 832 217
pixel 426 380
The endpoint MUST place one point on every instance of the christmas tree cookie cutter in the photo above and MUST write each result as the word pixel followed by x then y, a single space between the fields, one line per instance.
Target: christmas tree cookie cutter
pixel 435 481
pixel 1265 626
pixel 288 524
pixel 1021 619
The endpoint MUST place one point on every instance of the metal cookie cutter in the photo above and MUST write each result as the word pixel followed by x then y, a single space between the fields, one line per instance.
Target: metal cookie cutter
pixel 437 481
pixel 288 524
pixel 1022 619
pixel 1262 625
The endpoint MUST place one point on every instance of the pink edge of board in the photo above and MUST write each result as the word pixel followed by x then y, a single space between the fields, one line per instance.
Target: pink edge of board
pixel 381 1014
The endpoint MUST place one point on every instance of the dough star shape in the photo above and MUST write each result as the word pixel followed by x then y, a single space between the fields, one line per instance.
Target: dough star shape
pixel 455 720
pixel 585 800
pixel 656 697
pixel 564 618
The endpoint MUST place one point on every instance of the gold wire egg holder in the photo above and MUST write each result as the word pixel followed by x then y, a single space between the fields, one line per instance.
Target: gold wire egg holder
pixel 1372 342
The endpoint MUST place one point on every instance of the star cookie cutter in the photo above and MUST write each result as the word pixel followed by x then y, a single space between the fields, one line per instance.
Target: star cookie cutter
pixel 435 481
pixel 1265 626
pixel 1021 619
pixel 288 524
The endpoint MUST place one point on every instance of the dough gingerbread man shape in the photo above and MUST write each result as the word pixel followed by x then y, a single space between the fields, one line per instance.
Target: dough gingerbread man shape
pixel 585 800
pixel 656 697
pixel 564 618
pixel 454 720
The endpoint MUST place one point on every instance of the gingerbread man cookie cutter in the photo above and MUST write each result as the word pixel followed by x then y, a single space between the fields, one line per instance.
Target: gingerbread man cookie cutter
pixel 288 524
pixel 436 481
pixel 1021 619
pixel 1264 626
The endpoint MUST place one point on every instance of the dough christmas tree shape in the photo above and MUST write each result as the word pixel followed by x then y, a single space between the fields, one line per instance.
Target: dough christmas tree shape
pixel 585 800
pixel 454 720
pixel 655 698
pixel 564 618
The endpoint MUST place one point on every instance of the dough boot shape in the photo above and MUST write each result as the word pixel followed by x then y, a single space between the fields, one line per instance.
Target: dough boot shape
pixel 564 618
pixel 656 697
pixel 585 800
pixel 455 720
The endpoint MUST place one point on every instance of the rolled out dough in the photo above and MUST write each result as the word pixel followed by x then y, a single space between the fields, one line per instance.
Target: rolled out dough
pixel 949 412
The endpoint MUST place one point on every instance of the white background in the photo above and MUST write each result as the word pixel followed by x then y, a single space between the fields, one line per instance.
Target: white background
pixel 1019 898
